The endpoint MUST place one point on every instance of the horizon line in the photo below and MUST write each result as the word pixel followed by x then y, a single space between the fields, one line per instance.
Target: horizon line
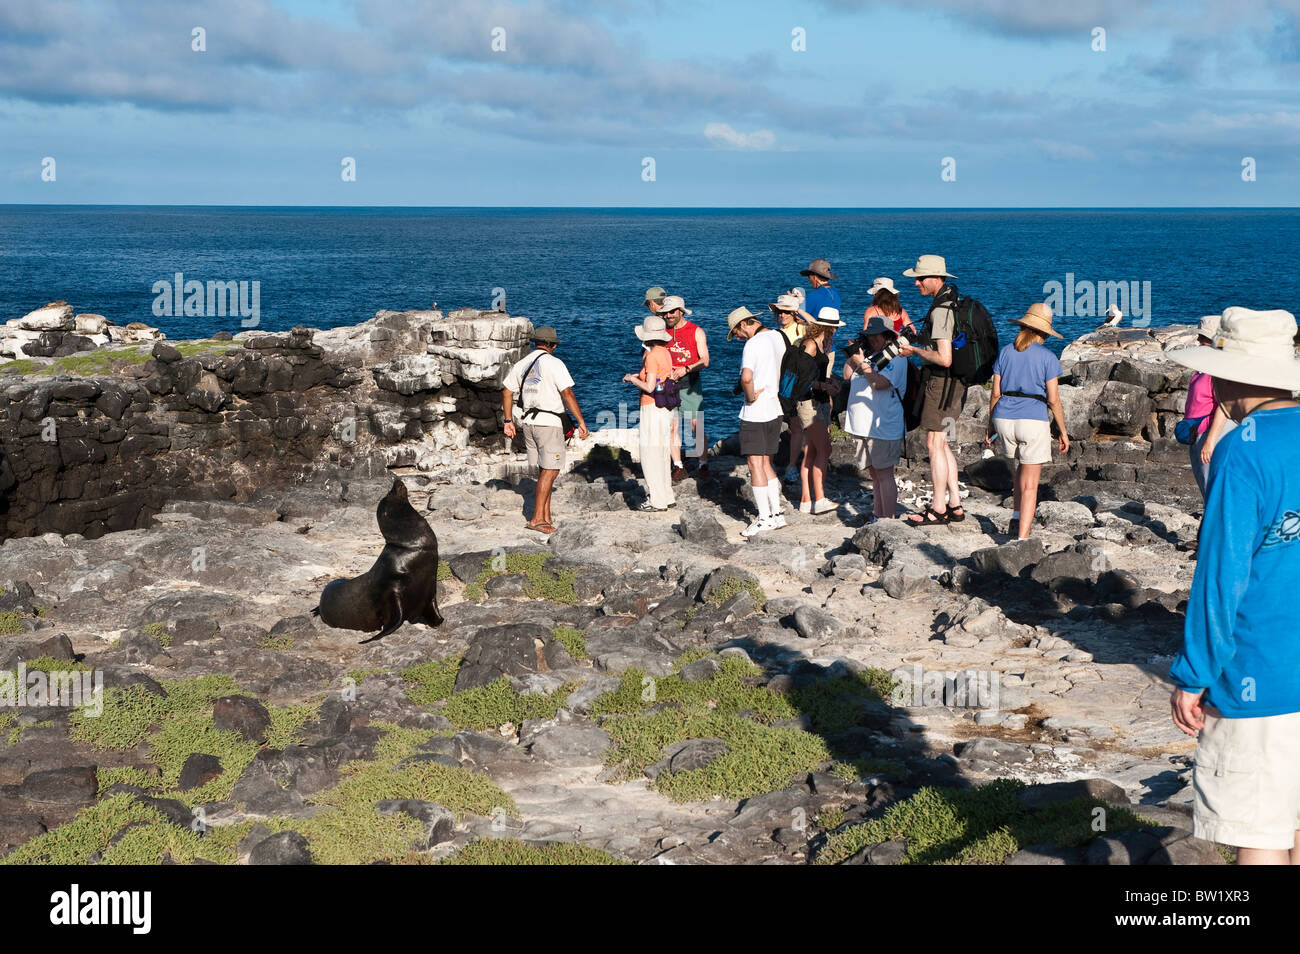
pixel 669 208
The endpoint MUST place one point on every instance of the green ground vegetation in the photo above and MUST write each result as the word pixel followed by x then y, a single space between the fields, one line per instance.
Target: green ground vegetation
pixel 975 826
pixel 511 851
pixel 540 583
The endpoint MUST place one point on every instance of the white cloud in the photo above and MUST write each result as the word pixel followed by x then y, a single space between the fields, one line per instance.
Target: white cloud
pixel 724 137
pixel 1067 151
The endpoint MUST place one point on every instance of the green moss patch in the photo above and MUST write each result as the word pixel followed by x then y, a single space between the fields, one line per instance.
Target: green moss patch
pixel 351 831
pixel 89 832
pixel 444 571
pixel 573 640
pixel 732 585
pixel 836 704
pixel 278 643
pixel 976 826
pixel 22 366
pixel 190 348
pixel 431 681
pixel 11 623
pixel 159 632
pixel 178 724
pixel 486 707
pixel 511 851
pixel 50 664
pixel 540 584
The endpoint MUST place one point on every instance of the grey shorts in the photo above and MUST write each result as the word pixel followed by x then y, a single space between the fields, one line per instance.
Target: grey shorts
pixel 760 438
pixel 545 446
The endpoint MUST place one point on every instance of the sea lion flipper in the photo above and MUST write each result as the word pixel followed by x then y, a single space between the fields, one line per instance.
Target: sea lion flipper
pixel 394 620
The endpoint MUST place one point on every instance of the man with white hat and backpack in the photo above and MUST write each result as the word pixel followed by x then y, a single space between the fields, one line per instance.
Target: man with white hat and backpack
pixel 1237 677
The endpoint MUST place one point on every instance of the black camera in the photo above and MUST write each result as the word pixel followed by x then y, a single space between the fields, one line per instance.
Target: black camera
pixel 879 359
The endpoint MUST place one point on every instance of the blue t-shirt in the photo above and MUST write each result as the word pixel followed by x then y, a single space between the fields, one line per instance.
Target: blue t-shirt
pixel 1240 640
pixel 819 298
pixel 1027 371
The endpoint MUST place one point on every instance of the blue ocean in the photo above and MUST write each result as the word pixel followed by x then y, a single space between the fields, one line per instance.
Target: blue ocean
pixel 585 270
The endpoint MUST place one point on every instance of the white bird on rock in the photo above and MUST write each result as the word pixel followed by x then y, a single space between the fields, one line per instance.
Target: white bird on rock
pixel 1114 316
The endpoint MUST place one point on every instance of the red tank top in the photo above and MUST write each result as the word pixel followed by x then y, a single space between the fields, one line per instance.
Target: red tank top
pixel 683 344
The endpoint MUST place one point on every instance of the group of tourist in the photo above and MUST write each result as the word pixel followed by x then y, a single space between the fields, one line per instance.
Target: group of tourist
pixel 1237 676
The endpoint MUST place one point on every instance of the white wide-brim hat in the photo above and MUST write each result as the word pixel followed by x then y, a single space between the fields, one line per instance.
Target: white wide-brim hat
pixel 929 266
pixel 882 284
pixel 652 328
pixel 1251 347
pixel 828 318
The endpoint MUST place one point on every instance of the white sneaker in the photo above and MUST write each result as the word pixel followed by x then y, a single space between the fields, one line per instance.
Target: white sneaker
pixel 825 506
pixel 758 526
pixel 806 507
pixel 776 522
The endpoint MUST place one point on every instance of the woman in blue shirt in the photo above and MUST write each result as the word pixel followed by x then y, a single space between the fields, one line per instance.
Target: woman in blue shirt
pixel 1024 389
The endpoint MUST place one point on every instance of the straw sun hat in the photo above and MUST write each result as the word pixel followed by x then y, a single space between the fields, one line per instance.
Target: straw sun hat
pixel 1250 347
pixel 652 328
pixel 1038 318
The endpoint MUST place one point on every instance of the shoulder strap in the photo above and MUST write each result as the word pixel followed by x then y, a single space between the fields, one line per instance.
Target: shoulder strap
pixel 523 379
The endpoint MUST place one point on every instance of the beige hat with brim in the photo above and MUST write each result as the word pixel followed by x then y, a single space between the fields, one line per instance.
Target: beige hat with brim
pixel 1209 327
pixel 929 266
pixel 882 284
pixel 785 303
pixel 652 328
pixel 1251 347
pixel 672 303
pixel 736 317
pixel 1039 318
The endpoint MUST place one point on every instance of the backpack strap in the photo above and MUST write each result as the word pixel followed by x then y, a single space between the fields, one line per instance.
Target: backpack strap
pixel 530 412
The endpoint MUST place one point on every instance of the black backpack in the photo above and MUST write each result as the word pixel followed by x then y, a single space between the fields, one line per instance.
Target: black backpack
pixel 913 399
pixel 798 371
pixel 974 342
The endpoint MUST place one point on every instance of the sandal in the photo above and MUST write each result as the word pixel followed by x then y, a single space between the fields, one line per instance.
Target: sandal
pixel 543 528
pixel 956 514
pixel 929 518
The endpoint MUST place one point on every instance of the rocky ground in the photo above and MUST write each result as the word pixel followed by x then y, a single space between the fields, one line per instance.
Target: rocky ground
pixel 638 687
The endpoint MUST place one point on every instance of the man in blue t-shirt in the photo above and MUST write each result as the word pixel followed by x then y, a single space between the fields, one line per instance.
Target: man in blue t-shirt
pixel 819 276
pixel 1238 675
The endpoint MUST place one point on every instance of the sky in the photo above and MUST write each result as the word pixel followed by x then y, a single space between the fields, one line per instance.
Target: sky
pixel 762 103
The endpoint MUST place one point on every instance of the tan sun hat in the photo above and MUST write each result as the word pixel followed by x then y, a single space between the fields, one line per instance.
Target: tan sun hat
pixel 1250 347
pixel 786 303
pixel 672 303
pixel 736 317
pixel 1209 327
pixel 1039 318
pixel 819 267
pixel 882 284
pixel 929 266
pixel 653 328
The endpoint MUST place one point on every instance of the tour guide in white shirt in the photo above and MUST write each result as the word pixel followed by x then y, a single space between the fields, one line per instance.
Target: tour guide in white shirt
pixel 760 418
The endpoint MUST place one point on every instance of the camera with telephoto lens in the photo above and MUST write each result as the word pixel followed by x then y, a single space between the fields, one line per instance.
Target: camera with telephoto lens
pixel 880 359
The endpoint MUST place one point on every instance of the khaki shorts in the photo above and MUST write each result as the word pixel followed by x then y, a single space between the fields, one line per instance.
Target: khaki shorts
pixel 806 412
pixel 545 446
pixel 934 413
pixel 876 452
pixel 1247 781
pixel 1023 440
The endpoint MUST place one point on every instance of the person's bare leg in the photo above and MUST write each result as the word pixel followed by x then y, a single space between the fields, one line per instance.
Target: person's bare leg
pixel 542 510
pixel 875 493
pixel 675 440
pixel 805 471
pixel 1015 493
pixel 1295 850
pixel 1027 482
pixel 823 444
pixel 886 492
pixel 796 441
pixel 954 492
pixel 1265 856
pixel 937 444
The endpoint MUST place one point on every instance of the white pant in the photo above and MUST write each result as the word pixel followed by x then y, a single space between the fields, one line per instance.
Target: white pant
pixel 654 432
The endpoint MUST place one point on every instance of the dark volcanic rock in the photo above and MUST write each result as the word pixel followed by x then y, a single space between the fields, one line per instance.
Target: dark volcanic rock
pixel 510 650
pixel 241 714
pixel 286 848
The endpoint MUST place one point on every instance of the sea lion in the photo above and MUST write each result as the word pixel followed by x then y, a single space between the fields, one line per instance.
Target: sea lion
pixel 402 586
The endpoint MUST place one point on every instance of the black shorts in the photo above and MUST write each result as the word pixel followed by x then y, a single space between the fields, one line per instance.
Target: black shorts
pixel 760 438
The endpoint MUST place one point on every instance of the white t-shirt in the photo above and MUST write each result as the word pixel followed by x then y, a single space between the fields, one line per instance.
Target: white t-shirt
pixel 873 413
pixel 762 356
pixel 542 390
